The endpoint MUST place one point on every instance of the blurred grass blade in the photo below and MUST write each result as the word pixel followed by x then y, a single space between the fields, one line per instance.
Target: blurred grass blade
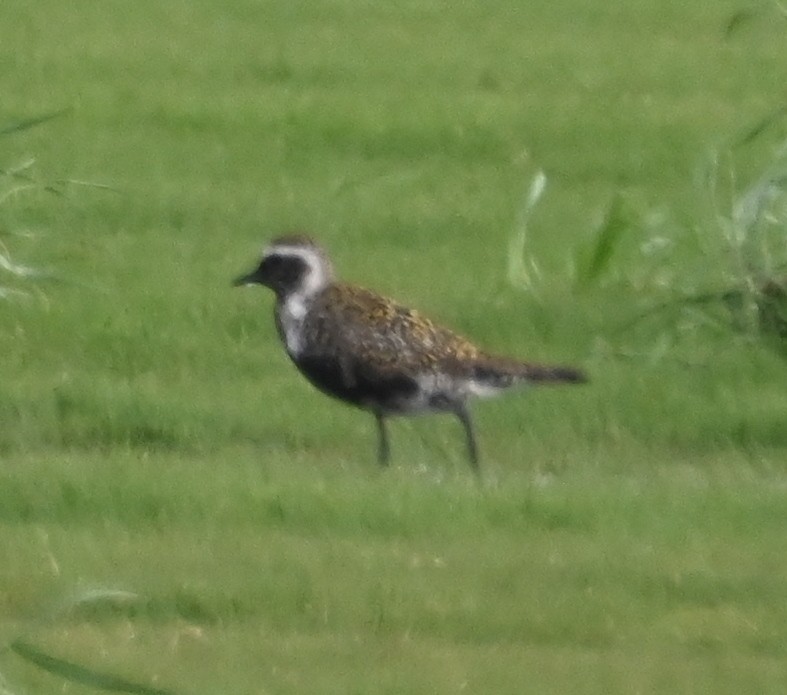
pixel 737 21
pixel 100 595
pixel 755 202
pixel 88 184
pixel 742 17
pixel 761 126
pixel 537 189
pixel 25 124
pixel 608 239
pixel 522 268
pixel 15 191
pixel 5 689
pixel 95 596
pixel 8 292
pixel 17 171
pixel 79 674
pixel 16 269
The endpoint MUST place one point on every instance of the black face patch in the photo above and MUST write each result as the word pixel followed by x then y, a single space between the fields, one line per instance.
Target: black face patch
pixel 282 273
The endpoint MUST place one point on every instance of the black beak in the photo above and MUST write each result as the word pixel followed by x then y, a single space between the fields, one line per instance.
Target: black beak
pixel 250 279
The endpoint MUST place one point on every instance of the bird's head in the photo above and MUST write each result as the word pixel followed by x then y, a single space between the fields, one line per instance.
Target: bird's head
pixel 291 265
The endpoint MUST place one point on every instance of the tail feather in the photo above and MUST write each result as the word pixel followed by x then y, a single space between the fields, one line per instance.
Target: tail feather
pixel 501 372
pixel 553 373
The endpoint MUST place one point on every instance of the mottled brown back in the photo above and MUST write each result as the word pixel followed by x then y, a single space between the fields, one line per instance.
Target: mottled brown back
pixel 387 336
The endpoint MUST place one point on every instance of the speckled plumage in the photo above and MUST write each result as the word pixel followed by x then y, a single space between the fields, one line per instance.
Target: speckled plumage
pixel 374 353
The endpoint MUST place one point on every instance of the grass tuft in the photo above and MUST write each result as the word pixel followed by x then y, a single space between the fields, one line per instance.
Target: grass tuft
pixel 75 673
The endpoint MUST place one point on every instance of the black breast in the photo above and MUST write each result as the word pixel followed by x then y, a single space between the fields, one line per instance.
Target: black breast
pixel 359 386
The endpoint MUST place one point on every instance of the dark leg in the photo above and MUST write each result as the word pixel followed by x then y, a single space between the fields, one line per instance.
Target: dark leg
pixel 384 450
pixel 472 448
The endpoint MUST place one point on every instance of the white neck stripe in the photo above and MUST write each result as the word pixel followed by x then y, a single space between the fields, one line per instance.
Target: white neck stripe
pixel 291 250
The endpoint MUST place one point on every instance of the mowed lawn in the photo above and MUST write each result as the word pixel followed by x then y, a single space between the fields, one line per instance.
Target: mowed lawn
pixel 179 508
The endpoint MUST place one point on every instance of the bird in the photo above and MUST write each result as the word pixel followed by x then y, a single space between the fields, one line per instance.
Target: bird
pixel 374 353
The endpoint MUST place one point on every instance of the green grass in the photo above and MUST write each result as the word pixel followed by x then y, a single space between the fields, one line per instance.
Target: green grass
pixel 628 536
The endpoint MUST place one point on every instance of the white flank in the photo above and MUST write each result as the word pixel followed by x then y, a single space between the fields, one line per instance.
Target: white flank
pixel 441 392
pixel 482 389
